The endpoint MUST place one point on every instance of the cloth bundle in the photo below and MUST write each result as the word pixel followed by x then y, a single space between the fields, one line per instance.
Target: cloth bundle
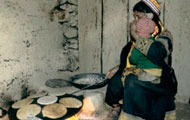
pixel 145 27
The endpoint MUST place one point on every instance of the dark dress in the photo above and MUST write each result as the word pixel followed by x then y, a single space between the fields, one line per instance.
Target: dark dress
pixel 143 99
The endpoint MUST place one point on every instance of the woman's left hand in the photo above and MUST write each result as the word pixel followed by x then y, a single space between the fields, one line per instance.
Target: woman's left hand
pixel 111 72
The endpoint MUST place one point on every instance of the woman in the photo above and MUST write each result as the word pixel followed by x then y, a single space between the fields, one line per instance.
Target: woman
pixel 141 85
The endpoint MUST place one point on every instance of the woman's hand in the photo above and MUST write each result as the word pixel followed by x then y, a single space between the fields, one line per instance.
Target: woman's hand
pixel 133 30
pixel 111 72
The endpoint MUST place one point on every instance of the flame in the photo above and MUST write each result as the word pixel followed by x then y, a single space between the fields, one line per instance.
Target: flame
pixel 75 117
pixel 87 110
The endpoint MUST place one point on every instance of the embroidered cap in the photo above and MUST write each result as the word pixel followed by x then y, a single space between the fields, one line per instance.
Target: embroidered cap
pixel 153 4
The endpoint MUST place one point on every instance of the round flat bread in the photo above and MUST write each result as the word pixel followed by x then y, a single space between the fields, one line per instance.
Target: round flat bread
pixel 33 118
pixel 46 100
pixel 70 102
pixel 57 93
pixel 54 111
pixel 88 79
pixel 38 95
pixel 22 103
pixel 27 111
pixel 57 83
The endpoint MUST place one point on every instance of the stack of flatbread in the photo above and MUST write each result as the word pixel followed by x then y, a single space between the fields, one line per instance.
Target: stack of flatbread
pixel 56 93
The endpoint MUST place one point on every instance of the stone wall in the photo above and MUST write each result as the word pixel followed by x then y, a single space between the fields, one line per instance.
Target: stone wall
pixel 66 14
pixel 35 45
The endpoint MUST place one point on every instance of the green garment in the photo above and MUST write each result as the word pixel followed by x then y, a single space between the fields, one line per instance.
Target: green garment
pixel 140 60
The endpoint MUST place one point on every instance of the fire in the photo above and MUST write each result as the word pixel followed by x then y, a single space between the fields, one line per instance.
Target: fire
pixel 87 111
pixel 75 117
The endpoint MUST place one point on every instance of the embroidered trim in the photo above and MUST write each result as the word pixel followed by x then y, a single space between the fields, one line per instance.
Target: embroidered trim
pixel 127 71
pixel 126 116
pixel 171 115
pixel 143 45
pixel 128 65
pixel 157 30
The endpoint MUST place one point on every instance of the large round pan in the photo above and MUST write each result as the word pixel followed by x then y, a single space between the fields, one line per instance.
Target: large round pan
pixel 88 80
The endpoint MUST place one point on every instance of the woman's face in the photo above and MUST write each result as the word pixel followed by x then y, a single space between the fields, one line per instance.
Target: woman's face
pixel 138 15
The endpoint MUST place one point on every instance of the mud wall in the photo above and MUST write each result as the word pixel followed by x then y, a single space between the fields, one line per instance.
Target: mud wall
pixel 38 42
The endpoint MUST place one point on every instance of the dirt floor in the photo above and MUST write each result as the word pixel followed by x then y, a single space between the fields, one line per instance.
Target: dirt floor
pixel 183 111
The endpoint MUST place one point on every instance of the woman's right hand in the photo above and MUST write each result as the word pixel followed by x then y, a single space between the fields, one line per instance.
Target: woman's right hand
pixel 111 72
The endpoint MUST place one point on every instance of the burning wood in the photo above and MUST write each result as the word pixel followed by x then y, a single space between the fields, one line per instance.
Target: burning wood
pixel 75 117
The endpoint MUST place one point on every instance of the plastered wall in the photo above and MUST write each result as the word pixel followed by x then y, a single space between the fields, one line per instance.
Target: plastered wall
pixel 32 47
pixel 177 21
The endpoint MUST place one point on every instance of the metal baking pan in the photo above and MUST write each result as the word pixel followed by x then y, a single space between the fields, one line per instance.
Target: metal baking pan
pixel 88 80
pixel 70 111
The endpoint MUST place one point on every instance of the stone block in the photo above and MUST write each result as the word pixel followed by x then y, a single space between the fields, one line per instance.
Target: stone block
pixel 62 1
pixel 69 32
pixel 73 1
pixel 68 7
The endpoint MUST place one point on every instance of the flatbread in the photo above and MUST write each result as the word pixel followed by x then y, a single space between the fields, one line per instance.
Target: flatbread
pixel 33 118
pixel 28 111
pixel 88 79
pixel 38 95
pixel 46 100
pixel 22 103
pixel 54 111
pixel 57 93
pixel 57 83
pixel 70 102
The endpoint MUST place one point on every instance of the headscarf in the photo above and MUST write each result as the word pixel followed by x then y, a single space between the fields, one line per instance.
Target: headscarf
pixel 153 4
